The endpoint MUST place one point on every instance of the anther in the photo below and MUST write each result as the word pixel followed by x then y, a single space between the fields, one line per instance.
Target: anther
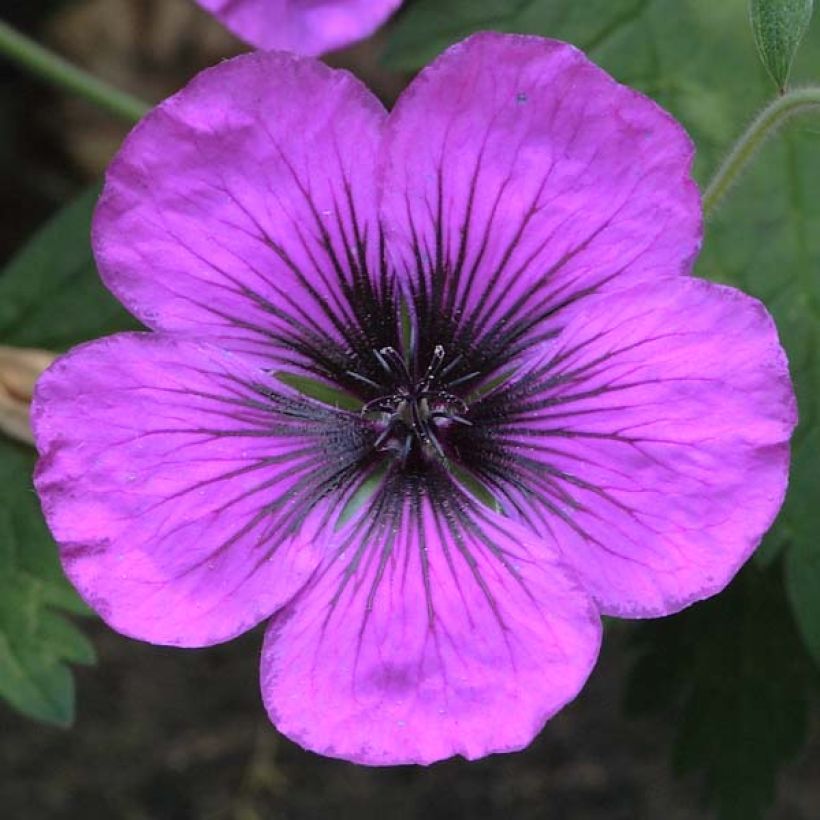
pixel 417 410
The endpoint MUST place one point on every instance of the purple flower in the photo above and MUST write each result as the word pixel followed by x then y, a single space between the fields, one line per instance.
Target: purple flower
pixel 302 26
pixel 541 415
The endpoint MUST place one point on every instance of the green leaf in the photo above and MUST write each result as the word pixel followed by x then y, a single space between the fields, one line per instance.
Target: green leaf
pixel 733 678
pixel 35 640
pixel 429 26
pixel 50 297
pixel 778 27
pixel 50 294
pixel 803 558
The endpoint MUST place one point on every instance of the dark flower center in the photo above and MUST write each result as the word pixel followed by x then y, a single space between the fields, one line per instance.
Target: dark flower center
pixel 418 382
pixel 415 409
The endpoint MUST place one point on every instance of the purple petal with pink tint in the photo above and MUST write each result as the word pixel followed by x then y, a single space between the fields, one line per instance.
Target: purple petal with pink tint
pixel 649 442
pixel 241 208
pixel 519 177
pixel 533 408
pixel 180 484
pixel 435 628
pixel 301 26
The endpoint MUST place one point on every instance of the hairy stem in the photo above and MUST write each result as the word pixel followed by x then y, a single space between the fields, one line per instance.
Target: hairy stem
pixel 775 114
pixel 51 67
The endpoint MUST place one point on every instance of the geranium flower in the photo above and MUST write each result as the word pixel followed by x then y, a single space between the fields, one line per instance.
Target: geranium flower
pixel 301 26
pixel 418 386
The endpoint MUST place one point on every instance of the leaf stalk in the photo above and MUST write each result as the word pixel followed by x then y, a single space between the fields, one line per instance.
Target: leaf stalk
pixel 764 126
pixel 51 67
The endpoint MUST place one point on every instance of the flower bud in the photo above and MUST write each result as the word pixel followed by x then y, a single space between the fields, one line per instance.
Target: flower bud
pixel 779 26
pixel 19 369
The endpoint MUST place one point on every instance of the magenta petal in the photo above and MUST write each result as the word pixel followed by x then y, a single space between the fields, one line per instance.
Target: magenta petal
pixel 449 630
pixel 302 26
pixel 232 209
pixel 631 423
pixel 519 177
pixel 650 441
pixel 171 482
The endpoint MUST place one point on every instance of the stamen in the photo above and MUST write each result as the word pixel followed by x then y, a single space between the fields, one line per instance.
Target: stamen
pixel 434 442
pixel 385 434
pixel 406 450
pixel 382 404
pixel 381 360
pixel 397 365
pixel 418 410
pixel 444 397
pixel 453 364
pixel 435 364
pixel 363 379
pixel 441 414
pixel 462 379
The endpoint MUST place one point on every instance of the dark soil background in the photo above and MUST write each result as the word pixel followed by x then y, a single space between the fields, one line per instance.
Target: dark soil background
pixel 177 735
pixel 173 735
pixel 167 734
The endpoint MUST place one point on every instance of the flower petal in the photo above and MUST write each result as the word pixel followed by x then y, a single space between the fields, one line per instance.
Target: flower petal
pixel 181 486
pixel 439 628
pixel 243 208
pixel 301 26
pixel 649 441
pixel 519 177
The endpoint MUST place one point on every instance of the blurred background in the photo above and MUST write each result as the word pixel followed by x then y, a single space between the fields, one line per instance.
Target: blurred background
pixel 713 713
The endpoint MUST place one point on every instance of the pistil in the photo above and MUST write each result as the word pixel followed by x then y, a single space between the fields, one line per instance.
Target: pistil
pixel 416 410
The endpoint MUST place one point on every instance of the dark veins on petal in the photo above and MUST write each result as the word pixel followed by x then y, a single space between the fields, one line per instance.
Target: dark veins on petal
pixel 435 384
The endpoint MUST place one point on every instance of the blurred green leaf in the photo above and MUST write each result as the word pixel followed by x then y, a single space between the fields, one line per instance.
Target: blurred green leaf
pixel 803 558
pixel 36 641
pixel 429 26
pixel 778 27
pixel 732 677
pixel 50 294
pixel 50 297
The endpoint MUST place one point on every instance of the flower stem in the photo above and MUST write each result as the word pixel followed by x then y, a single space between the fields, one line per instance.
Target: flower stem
pixel 50 66
pixel 775 114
